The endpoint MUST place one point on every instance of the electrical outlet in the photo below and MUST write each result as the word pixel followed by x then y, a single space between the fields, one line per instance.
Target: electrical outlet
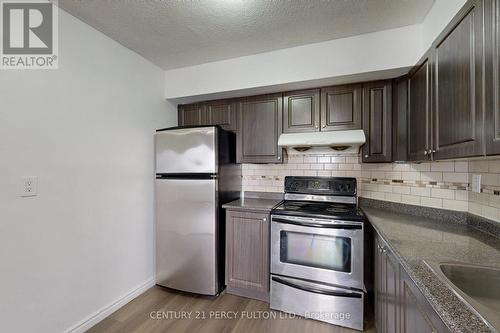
pixel 476 183
pixel 29 186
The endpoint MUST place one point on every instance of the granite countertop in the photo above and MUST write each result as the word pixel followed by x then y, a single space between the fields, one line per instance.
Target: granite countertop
pixel 414 238
pixel 252 204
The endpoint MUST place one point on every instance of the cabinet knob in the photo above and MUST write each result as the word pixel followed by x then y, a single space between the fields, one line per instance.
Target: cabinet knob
pixel 433 151
pixel 425 152
pixel 324 126
pixel 366 156
pixel 316 126
pixel 264 219
pixel 279 157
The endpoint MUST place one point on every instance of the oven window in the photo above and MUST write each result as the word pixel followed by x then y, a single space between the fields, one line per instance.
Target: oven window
pixel 328 252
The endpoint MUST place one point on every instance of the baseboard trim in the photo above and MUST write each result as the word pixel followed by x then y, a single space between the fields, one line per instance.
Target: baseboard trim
pixel 101 314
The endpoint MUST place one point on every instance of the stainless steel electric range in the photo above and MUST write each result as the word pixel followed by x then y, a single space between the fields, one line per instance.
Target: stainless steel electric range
pixel 317 237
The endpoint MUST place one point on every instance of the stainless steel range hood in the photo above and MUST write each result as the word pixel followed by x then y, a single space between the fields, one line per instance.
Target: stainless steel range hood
pixel 344 142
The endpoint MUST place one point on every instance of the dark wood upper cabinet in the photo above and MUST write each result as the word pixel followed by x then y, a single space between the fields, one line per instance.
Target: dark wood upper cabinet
pixel 301 111
pixel 377 121
pixel 192 115
pixel 400 119
pixel 457 97
pixel 260 119
pixel 223 113
pixel 492 76
pixel 419 110
pixel 341 107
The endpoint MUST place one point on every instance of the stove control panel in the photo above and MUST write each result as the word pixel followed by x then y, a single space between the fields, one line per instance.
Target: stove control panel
pixel 333 186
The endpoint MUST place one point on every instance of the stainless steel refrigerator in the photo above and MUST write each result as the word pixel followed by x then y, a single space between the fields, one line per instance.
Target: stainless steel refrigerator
pixel 195 174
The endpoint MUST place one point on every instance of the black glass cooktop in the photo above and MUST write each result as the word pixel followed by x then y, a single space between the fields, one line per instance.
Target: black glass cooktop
pixel 339 211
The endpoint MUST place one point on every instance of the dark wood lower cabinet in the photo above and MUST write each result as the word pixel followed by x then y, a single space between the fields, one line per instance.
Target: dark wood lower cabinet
pixel 417 315
pixel 400 307
pixel 387 284
pixel 247 254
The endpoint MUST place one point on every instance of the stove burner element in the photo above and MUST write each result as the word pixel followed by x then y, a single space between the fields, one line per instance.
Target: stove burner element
pixel 325 209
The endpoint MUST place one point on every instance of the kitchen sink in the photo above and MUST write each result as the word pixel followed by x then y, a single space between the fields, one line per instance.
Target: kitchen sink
pixel 478 286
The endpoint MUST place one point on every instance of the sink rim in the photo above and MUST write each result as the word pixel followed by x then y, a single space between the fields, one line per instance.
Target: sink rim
pixel 483 312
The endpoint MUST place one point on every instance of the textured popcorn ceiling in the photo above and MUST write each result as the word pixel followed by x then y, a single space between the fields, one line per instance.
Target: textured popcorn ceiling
pixel 180 33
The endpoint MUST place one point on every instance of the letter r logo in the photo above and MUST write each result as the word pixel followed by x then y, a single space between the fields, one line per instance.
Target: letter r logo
pixel 27 28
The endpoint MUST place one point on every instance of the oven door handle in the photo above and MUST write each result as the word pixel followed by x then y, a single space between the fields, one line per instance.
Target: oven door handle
pixel 316 290
pixel 319 225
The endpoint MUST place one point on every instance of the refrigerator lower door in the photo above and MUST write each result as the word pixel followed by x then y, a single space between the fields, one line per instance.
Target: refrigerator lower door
pixel 186 150
pixel 187 235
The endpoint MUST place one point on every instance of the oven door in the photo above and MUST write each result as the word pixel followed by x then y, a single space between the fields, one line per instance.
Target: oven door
pixel 318 250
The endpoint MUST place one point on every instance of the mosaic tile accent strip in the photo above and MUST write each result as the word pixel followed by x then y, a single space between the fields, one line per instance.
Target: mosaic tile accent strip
pixel 443 184
pixel 440 184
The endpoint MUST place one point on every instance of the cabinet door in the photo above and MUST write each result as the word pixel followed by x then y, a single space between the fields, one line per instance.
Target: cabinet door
pixel 301 111
pixel 247 254
pixel 223 113
pixel 387 285
pixel 419 112
pixel 192 115
pixel 379 287
pixel 341 107
pixel 392 286
pixel 400 119
pixel 377 121
pixel 417 315
pixel 492 76
pixel 457 107
pixel 260 120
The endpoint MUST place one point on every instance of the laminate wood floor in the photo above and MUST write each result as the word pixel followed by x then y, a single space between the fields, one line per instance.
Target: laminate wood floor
pixel 204 314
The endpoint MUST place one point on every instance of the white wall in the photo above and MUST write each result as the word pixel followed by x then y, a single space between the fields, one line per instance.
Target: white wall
pixel 86 130
pixel 372 52
pixel 377 55
pixel 437 18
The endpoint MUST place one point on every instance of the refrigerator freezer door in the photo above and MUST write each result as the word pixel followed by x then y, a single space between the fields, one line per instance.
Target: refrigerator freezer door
pixel 186 235
pixel 186 150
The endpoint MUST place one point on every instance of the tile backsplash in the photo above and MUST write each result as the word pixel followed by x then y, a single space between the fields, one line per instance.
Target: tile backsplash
pixel 433 184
